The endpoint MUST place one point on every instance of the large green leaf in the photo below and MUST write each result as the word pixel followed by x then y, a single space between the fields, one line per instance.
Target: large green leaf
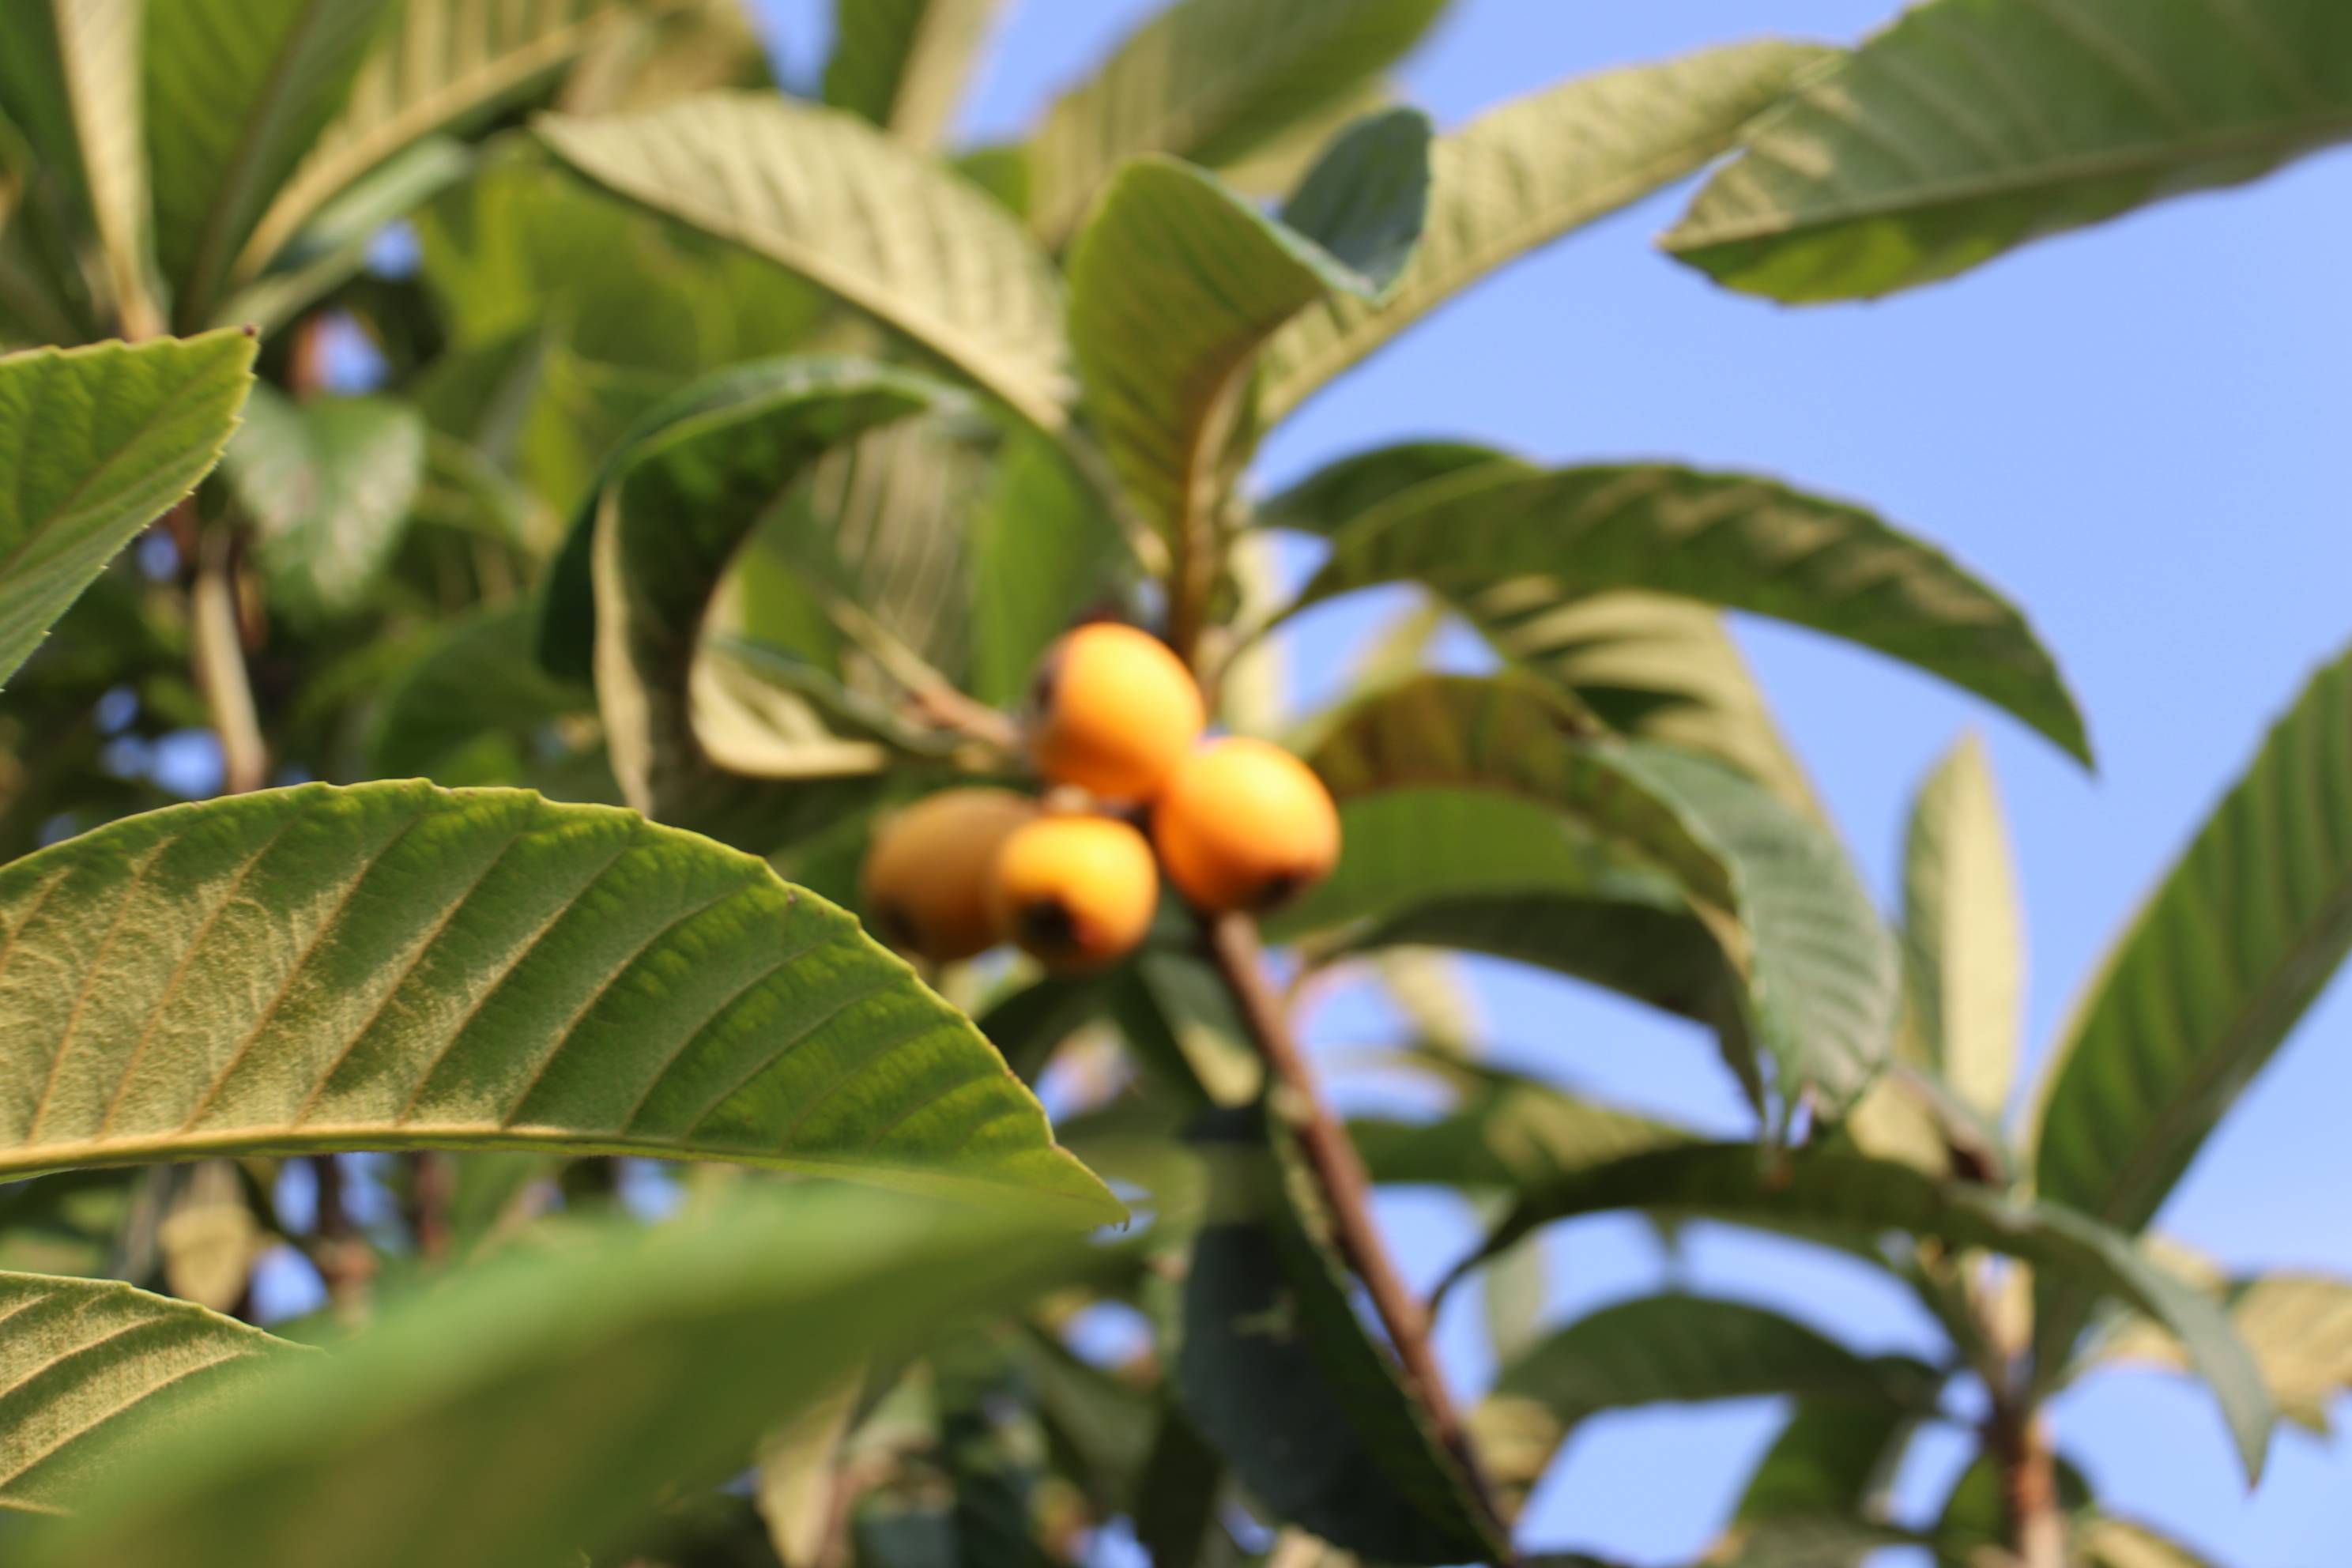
pixel 1819 970
pixel 2299 1327
pixel 96 443
pixel 393 967
pixel 1175 281
pixel 1971 126
pixel 1963 932
pixel 1278 1371
pixel 447 64
pixel 2236 942
pixel 1210 82
pixel 683 497
pixel 875 223
pixel 237 91
pixel 544 1401
pixel 1729 540
pixel 329 484
pixel 1828 1459
pixel 1523 174
pixel 1677 1349
pixel 70 83
pixel 902 63
pixel 1829 1189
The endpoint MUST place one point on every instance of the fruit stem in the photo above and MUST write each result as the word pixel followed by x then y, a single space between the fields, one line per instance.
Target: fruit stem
pixel 1346 1189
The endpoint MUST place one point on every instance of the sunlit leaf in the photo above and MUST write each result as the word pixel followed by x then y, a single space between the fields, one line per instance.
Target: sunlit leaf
pixel 1963 936
pixel 1971 126
pixel 902 64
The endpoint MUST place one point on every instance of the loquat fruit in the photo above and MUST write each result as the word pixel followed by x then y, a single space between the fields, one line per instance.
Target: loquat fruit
pixel 925 886
pixel 1113 710
pixel 1076 892
pixel 1244 824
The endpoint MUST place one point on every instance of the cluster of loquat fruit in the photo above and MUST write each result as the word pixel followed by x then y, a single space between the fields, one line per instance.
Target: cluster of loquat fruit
pixel 1116 726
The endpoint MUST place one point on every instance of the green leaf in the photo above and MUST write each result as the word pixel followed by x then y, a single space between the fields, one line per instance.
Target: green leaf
pixel 1829 1188
pixel 1027 1025
pixel 1042 550
pixel 1279 1374
pixel 70 83
pixel 2109 1542
pixel 1210 82
pixel 1963 932
pixel 1176 280
pixel 879 226
pixel 332 247
pixel 394 966
pixel 1508 1132
pixel 1971 126
pixel 659 1354
pixel 1176 1505
pixel 94 1368
pixel 478 679
pixel 2298 1326
pixel 2236 942
pixel 1975 1512
pixel 1834 1458
pixel 237 91
pixel 1729 540
pixel 329 484
pixel 1819 970
pixel 902 64
pixel 1678 1348
pixel 98 443
pixel 683 497
pixel 1520 176
pixel 447 65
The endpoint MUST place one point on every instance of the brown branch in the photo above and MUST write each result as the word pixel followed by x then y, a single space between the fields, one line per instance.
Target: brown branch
pixel 1346 1190
pixel 2034 1524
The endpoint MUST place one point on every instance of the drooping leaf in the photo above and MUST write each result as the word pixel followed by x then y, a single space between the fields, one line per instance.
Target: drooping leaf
pixel 1680 1349
pixel 1209 81
pixel 1971 126
pixel 329 484
pixel 1523 174
pixel 1828 1459
pixel 2207 982
pixel 1732 541
pixel 1963 937
pixel 1866 1196
pixel 93 1369
pixel 1175 281
pixel 394 966
pixel 237 91
pixel 96 443
pixel 882 227
pixel 1278 1374
pixel 334 244
pixel 659 1354
pixel 70 83
pixel 1819 971
pixel 2298 1326
pixel 902 64
pixel 1509 1132
pixel 446 65
pixel 683 497
pixel 478 679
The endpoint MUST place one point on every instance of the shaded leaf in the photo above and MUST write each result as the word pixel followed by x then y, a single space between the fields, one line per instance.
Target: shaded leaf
pixel 659 1352
pixel 1508 1132
pixel 1828 1459
pixel 99 442
pixel 331 248
pixel 902 63
pixel 1525 173
pixel 1042 550
pixel 393 967
pixel 879 226
pixel 1963 932
pixel 329 484
pixel 1732 541
pixel 1739 1183
pixel 1971 126
pixel 2220 964
pixel 478 679
pixel 1209 81
pixel 95 1369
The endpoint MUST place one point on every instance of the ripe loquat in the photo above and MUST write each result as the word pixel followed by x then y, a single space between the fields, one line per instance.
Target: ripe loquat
pixel 1076 891
pixel 1113 710
pixel 1244 824
pixel 926 880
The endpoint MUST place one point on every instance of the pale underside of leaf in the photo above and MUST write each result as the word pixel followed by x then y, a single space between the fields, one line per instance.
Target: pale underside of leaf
pixel 393 967
pixel 2298 1326
pixel 1963 932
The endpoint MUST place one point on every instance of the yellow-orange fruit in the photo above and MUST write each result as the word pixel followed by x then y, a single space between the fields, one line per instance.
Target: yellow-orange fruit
pixel 1076 891
pixel 1244 824
pixel 1114 710
pixel 925 881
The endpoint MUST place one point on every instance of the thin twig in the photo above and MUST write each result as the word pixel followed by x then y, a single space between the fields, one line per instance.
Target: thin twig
pixel 1346 1190
pixel 216 647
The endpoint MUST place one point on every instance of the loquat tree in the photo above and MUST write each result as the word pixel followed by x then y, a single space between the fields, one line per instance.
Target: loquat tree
pixel 767 523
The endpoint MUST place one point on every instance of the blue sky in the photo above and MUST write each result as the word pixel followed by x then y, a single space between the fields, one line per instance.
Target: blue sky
pixel 2138 433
